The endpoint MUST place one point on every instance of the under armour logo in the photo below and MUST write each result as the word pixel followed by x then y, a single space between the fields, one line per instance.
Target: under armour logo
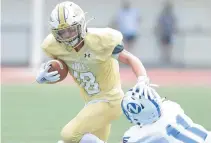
pixel 87 55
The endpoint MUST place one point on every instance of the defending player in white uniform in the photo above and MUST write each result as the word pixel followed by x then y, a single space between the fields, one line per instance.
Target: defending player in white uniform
pixel 159 121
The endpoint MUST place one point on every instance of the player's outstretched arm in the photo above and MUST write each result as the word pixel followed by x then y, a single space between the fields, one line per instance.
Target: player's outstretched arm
pixel 140 72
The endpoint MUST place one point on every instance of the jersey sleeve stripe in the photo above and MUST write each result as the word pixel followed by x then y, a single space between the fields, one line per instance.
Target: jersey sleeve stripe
pixel 118 49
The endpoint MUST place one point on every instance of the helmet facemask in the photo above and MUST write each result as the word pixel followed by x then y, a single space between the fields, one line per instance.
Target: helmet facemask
pixel 70 35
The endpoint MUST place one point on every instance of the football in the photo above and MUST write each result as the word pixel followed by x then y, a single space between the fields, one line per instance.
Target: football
pixel 61 67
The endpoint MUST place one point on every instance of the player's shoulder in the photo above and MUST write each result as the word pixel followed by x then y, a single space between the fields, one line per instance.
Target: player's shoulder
pixel 103 38
pixel 104 32
pixel 167 115
pixel 50 45
pixel 48 42
pixel 169 106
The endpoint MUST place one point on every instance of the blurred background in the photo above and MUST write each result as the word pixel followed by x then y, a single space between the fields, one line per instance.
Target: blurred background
pixel 171 37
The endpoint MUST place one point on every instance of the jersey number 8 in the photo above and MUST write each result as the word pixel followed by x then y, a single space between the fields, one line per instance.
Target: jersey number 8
pixel 87 81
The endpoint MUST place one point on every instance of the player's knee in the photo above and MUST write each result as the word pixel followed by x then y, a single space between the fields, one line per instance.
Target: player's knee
pixel 69 136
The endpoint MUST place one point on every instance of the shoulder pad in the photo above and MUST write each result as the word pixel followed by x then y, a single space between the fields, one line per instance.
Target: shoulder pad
pixel 103 38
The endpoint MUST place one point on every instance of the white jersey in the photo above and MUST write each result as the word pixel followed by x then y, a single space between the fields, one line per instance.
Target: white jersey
pixel 173 127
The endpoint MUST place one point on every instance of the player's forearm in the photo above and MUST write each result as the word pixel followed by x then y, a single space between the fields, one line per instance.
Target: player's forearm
pixel 133 62
pixel 137 66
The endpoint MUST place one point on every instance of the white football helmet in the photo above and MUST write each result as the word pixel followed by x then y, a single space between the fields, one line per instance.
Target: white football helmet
pixel 68 24
pixel 139 110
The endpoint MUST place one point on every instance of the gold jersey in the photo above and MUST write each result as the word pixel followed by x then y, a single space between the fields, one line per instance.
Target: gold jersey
pixel 93 67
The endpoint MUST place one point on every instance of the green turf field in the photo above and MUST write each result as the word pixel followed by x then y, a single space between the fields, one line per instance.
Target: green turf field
pixel 36 114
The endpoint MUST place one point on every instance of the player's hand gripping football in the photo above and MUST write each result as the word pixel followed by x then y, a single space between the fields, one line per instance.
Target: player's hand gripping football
pixel 44 76
pixel 146 88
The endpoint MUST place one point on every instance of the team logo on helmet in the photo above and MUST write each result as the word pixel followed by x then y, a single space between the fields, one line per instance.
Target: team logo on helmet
pixel 133 108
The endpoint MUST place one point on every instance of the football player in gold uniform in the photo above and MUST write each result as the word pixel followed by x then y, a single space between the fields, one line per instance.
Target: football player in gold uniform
pixel 92 56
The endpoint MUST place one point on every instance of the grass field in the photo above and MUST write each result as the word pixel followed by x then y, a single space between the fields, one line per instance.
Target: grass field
pixel 36 113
